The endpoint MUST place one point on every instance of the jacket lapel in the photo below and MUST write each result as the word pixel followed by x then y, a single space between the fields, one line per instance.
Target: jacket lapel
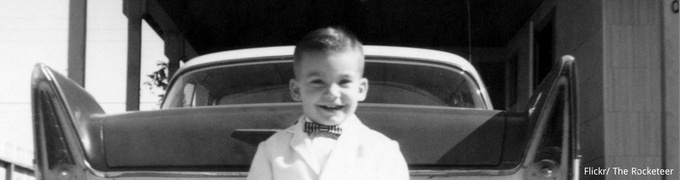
pixel 303 146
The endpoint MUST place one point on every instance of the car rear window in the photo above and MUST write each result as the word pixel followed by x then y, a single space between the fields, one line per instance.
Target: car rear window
pixel 391 81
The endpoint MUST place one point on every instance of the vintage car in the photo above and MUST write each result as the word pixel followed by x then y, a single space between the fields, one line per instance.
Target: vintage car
pixel 219 106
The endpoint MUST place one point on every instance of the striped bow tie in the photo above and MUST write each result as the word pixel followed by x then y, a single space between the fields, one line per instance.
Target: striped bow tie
pixel 313 127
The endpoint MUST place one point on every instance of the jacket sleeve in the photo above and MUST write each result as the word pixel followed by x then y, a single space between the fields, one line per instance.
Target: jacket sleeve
pixel 395 166
pixel 261 168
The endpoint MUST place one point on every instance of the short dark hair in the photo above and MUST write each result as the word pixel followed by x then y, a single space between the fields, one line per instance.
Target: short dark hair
pixel 330 39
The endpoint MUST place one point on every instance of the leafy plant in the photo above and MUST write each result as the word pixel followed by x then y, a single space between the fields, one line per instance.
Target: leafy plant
pixel 158 80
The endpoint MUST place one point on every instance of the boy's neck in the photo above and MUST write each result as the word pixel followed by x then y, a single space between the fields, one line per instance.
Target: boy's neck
pixel 341 124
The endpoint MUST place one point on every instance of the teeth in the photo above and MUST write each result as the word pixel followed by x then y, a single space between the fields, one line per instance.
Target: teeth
pixel 331 107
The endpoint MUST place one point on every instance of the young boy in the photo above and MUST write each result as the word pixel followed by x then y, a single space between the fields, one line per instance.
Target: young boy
pixel 328 141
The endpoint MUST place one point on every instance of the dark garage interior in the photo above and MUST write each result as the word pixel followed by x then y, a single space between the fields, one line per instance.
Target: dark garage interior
pixel 214 25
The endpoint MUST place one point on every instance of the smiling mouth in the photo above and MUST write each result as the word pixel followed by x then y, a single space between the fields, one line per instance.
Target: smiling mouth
pixel 331 107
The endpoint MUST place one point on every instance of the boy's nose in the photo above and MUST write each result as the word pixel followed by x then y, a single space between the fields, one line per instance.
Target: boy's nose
pixel 333 91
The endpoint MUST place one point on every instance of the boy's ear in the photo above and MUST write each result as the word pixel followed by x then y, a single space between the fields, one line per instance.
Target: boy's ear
pixel 295 90
pixel 363 89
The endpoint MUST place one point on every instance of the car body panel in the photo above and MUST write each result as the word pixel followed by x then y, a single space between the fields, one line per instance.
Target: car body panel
pixel 75 139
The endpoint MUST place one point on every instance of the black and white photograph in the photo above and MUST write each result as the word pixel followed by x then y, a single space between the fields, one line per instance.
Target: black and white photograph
pixel 339 89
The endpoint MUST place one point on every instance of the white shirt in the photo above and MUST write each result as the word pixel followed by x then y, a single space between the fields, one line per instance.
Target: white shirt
pixel 359 153
pixel 322 145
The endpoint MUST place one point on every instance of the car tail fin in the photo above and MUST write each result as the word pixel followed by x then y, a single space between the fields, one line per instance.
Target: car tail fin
pixel 551 114
pixel 63 131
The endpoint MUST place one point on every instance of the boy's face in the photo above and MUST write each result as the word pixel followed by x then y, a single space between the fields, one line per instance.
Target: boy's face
pixel 330 85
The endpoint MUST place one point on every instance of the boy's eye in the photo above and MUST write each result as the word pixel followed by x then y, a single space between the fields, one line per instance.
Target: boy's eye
pixel 316 82
pixel 345 82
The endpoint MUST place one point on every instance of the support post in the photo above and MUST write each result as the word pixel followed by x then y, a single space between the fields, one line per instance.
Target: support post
pixel 174 50
pixel 134 10
pixel 10 171
pixel 76 40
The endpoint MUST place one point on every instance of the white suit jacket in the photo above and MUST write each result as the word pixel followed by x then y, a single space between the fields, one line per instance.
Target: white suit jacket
pixel 359 153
